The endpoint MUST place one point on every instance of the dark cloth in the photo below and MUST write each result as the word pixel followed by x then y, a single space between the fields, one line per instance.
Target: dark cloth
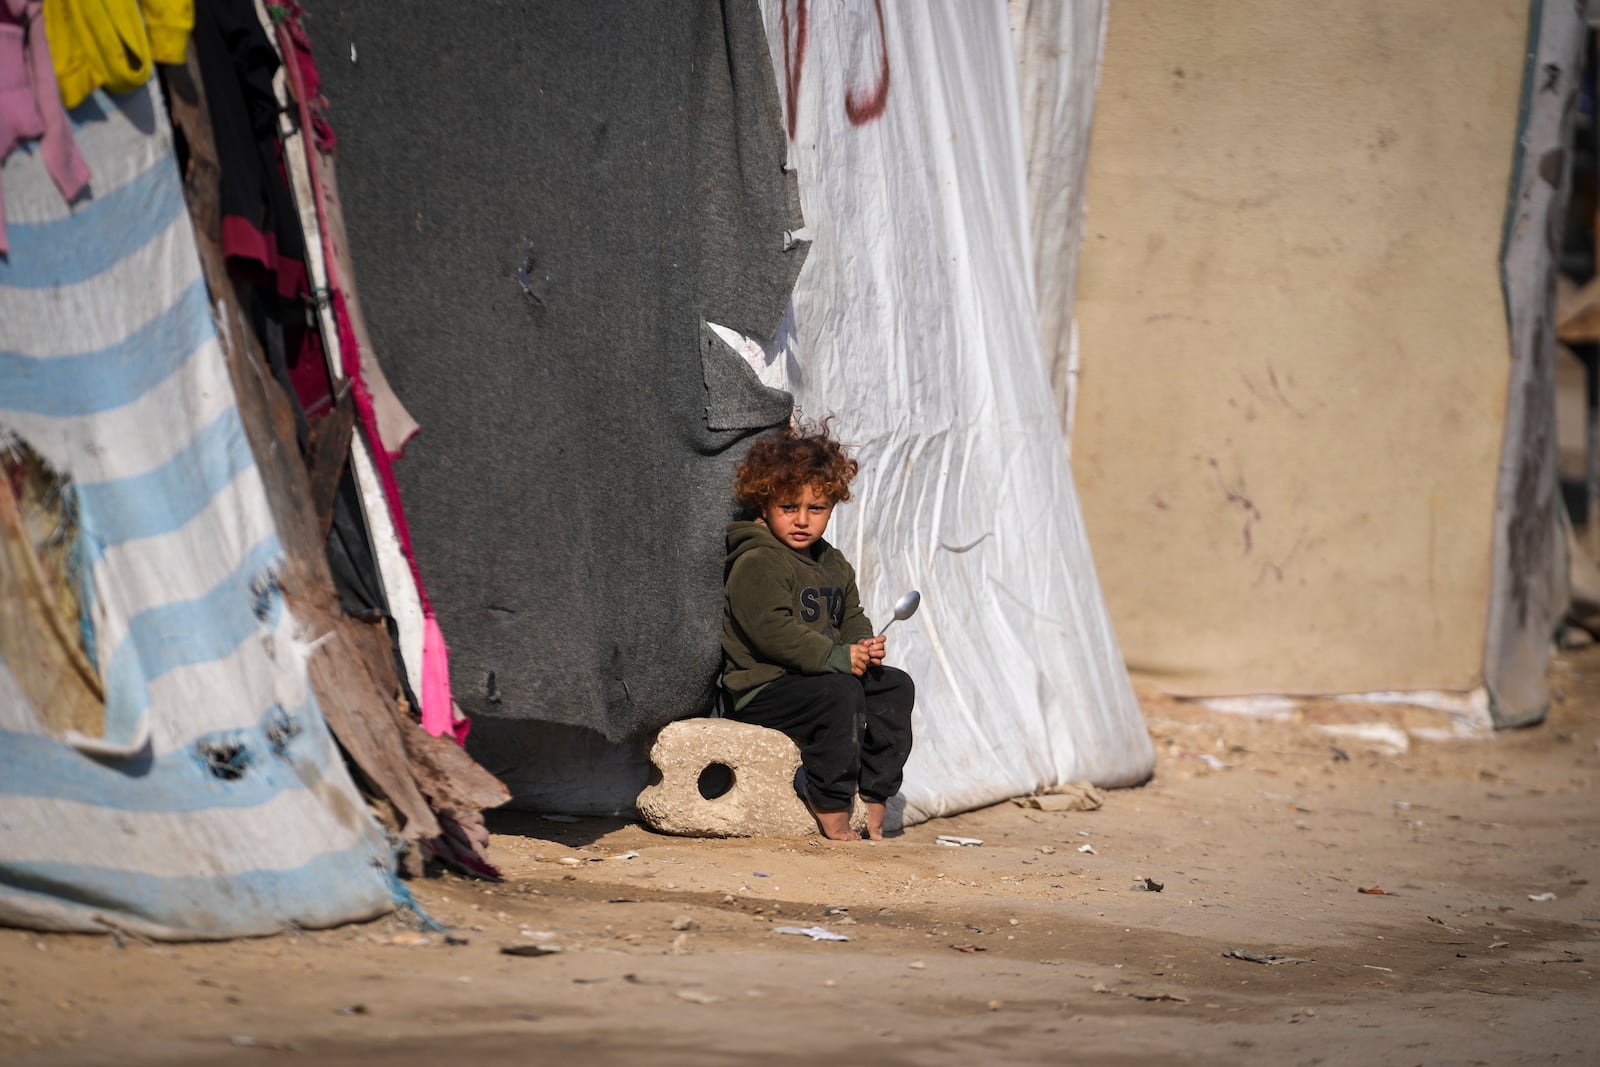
pixel 854 734
pixel 785 611
pixel 261 236
pixel 262 240
pixel 547 201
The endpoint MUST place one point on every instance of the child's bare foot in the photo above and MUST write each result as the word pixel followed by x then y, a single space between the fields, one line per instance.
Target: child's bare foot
pixel 835 825
pixel 875 812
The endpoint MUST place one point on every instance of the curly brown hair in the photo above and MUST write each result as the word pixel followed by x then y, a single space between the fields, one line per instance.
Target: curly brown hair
pixel 782 463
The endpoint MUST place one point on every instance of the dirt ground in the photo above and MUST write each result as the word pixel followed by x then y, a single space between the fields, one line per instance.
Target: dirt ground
pixel 1044 944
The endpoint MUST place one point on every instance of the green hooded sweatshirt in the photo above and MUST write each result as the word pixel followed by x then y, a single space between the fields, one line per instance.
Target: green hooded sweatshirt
pixel 785 612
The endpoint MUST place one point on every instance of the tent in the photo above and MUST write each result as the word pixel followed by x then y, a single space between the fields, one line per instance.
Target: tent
pixel 1311 407
pixel 181 697
pixel 211 800
pixel 579 259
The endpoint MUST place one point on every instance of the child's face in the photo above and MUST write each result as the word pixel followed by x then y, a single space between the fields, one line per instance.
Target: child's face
pixel 799 521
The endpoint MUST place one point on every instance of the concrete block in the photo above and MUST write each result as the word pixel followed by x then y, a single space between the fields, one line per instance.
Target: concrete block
pixel 755 768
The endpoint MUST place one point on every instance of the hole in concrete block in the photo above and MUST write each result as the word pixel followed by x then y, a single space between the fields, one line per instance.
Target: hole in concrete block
pixel 716 780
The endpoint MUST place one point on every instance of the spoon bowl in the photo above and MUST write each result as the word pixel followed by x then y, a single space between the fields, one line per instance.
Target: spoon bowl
pixel 904 608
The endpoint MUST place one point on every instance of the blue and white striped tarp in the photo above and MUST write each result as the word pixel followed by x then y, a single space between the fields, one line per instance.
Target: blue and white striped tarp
pixel 216 804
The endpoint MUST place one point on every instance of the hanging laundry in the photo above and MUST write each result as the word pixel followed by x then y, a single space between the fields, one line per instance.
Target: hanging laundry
pixel 261 234
pixel 30 105
pixel 260 229
pixel 307 161
pixel 113 43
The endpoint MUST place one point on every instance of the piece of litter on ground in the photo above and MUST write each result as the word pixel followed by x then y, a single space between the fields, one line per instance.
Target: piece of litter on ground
pixel 917 965
pixel 246 1041
pixel 560 818
pixel 695 996
pixel 1088 849
pixel 815 933
pixel 1148 885
pixel 631 854
pixel 570 861
pixel 1541 897
pixel 956 842
pixel 1375 891
pixel 1375 967
pixel 969 948
pixel 1269 957
pixel 529 950
pixel 761 874
pixel 1211 761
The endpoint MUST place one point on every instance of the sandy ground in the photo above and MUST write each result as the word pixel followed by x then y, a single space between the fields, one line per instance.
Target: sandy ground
pixel 1042 945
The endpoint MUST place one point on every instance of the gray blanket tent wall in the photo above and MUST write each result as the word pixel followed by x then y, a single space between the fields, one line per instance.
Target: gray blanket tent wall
pixel 546 202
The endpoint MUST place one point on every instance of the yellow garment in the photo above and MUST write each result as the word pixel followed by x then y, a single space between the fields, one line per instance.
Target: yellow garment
pixel 113 42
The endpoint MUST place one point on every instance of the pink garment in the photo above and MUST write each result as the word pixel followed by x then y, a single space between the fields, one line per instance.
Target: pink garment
pixel 30 102
pixel 438 709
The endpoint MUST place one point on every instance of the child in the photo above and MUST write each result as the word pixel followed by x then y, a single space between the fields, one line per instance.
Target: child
pixel 798 653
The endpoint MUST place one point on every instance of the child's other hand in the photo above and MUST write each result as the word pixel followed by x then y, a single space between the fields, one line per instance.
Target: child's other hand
pixel 860 658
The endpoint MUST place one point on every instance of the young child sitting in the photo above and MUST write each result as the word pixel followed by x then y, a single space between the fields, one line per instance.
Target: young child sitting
pixel 798 653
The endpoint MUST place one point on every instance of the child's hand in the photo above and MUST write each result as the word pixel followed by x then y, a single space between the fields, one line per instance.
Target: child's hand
pixel 872 647
pixel 860 657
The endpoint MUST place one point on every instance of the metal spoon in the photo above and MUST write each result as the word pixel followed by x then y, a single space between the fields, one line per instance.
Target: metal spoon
pixel 904 608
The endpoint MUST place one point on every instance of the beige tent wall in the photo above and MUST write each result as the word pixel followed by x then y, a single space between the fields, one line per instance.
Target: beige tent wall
pixel 1293 340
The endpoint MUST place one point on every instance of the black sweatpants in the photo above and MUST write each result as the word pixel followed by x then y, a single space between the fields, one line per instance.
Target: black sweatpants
pixel 854 733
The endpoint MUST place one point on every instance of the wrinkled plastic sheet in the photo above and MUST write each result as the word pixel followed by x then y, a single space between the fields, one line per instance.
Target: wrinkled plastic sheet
pixel 914 322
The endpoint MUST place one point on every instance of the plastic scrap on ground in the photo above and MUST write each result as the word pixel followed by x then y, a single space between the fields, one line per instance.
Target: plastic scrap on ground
pixel 815 933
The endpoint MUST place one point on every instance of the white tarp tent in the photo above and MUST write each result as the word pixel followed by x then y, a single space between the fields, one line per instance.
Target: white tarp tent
pixel 914 321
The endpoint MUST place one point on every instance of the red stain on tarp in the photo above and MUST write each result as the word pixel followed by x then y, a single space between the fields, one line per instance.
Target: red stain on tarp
pixel 794 60
pixel 862 109
pixel 859 107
